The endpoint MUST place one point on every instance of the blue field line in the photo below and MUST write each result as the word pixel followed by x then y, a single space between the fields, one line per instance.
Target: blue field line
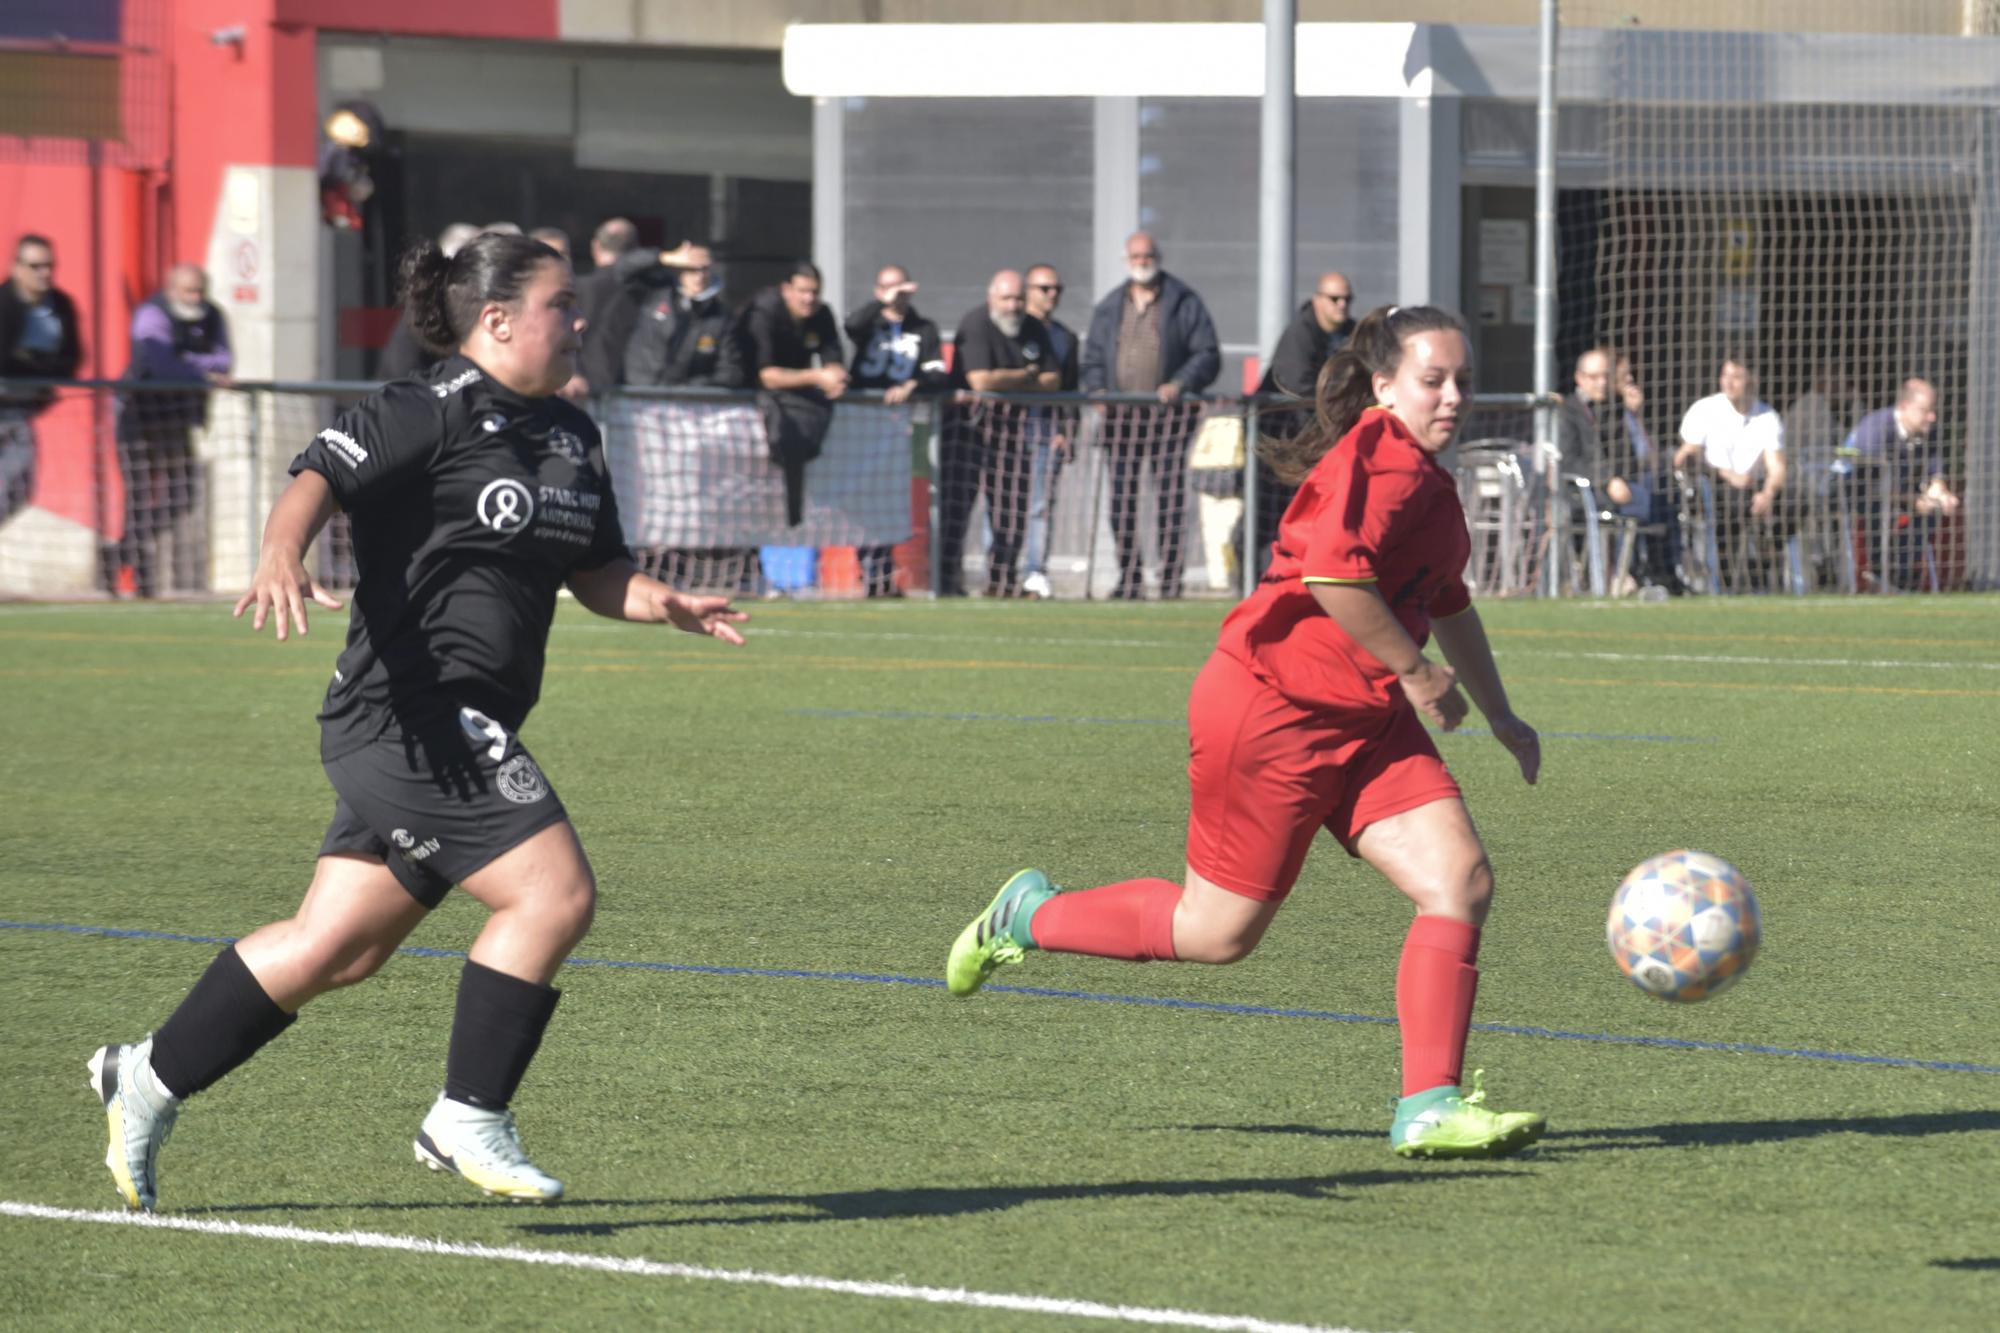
pixel 1097 997
pixel 907 715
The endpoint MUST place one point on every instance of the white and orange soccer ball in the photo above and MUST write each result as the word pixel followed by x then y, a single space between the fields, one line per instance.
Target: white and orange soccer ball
pixel 1683 925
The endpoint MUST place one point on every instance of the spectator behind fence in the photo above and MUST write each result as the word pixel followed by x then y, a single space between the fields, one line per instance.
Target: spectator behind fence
pixel 553 237
pixel 178 337
pixel 1602 437
pixel 609 306
pixel 1740 439
pixel 1816 424
pixel 1322 326
pixel 681 336
pixel 794 350
pixel 1896 483
pixel 899 352
pixel 403 356
pixel 999 348
pixel 1151 334
pixel 38 340
pixel 1051 431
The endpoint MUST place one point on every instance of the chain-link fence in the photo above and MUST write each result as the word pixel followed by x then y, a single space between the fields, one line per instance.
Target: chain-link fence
pixel 152 490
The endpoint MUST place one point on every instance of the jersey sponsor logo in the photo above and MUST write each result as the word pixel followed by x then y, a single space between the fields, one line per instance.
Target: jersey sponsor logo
pixel 521 782
pixel 344 447
pixel 492 424
pixel 567 443
pixel 505 505
pixel 457 382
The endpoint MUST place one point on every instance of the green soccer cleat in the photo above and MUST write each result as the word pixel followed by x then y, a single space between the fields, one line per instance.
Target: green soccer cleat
pixel 1448 1122
pixel 991 942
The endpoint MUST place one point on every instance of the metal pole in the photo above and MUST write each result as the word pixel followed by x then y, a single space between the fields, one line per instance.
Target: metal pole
pixel 1545 293
pixel 1275 228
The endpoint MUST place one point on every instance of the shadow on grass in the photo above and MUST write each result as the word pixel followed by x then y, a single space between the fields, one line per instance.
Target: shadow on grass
pixel 1309 1131
pixel 405 1206
pixel 1968 1265
pixel 961 1201
pixel 1729 1133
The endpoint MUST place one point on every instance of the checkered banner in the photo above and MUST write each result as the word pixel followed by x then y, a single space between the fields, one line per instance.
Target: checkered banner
pixel 701 474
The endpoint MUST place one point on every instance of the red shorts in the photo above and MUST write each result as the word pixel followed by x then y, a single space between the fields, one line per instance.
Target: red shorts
pixel 1266 774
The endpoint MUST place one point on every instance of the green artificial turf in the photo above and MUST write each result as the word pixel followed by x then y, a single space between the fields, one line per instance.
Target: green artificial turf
pixel 827 806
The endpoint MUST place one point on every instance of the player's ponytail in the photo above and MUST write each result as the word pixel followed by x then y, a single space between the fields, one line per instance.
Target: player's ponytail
pixel 1346 386
pixel 442 297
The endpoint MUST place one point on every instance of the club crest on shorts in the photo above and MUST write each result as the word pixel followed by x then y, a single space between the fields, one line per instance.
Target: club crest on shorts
pixel 521 782
pixel 401 837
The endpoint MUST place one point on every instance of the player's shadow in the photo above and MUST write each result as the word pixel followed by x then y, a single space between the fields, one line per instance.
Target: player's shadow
pixel 963 1201
pixel 1308 1131
pixel 399 1206
pixel 1728 1133
pixel 1969 1265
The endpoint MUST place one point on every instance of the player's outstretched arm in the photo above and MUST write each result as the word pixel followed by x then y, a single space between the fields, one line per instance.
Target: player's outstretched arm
pixel 1462 639
pixel 1365 618
pixel 281 587
pixel 619 591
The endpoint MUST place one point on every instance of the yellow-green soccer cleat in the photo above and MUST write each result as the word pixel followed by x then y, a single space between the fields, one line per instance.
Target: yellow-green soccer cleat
pixel 993 940
pixel 484 1147
pixel 139 1121
pixel 1449 1122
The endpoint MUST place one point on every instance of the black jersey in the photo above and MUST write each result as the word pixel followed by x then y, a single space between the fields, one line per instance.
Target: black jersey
pixel 470 505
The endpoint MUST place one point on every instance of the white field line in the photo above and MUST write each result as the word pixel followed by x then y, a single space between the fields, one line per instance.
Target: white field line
pixel 895 1291
pixel 1733 660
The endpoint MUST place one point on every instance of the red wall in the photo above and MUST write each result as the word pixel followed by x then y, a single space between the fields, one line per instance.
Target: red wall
pixel 529 20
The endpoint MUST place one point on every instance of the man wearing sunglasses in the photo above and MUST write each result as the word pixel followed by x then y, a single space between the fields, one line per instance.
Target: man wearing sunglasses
pixel 1323 323
pixel 1052 430
pixel 38 340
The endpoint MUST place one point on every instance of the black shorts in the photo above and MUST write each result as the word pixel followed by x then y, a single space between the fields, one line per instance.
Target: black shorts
pixel 436 806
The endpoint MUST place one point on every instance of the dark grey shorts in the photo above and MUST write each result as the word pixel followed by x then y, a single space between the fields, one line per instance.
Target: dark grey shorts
pixel 435 807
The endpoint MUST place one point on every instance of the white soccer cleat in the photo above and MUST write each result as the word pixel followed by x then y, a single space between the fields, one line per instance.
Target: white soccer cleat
pixel 139 1119
pixel 484 1147
pixel 1037 585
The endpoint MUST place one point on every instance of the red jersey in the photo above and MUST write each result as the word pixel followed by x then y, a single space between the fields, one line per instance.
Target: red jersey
pixel 1376 509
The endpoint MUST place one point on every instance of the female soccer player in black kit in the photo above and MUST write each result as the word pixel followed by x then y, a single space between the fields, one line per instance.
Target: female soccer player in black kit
pixel 474 495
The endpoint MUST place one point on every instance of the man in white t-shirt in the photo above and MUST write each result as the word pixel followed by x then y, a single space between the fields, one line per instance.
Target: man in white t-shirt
pixel 1740 439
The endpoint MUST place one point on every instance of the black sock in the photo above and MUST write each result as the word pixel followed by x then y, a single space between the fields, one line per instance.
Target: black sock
pixel 225 1019
pixel 494 1035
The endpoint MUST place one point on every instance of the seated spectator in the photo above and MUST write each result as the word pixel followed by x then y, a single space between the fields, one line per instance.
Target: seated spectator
pixel 1740 439
pixel 680 335
pixel 1896 483
pixel 1635 479
pixel 1816 423
pixel 899 352
pixel 38 341
pixel 1000 348
pixel 178 337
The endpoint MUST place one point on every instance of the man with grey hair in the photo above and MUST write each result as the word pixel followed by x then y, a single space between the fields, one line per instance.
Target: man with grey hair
pixel 609 310
pixel 403 356
pixel 1000 349
pixel 1150 335
pixel 178 338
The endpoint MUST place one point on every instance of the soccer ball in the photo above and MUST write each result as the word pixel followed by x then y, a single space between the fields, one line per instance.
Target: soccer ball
pixel 1683 925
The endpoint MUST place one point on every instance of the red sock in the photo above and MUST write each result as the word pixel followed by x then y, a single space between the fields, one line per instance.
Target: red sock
pixel 1435 984
pixel 1132 919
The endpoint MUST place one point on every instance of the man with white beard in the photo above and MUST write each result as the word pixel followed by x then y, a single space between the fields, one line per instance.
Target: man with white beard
pixel 1150 335
pixel 1000 349
pixel 178 337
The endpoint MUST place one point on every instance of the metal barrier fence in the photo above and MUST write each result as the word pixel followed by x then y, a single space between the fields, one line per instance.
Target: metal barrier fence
pixel 148 490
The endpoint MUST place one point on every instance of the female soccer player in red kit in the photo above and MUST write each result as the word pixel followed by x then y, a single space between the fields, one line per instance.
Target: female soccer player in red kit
pixel 1306 717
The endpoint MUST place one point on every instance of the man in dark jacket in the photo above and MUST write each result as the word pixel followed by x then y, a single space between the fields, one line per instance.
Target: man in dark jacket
pixel 1322 325
pixel 38 340
pixel 178 337
pixel 1149 335
pixel 680 336
pixel 899 352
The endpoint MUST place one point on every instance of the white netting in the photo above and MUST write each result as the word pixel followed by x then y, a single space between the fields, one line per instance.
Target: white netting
pixel 1826 205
